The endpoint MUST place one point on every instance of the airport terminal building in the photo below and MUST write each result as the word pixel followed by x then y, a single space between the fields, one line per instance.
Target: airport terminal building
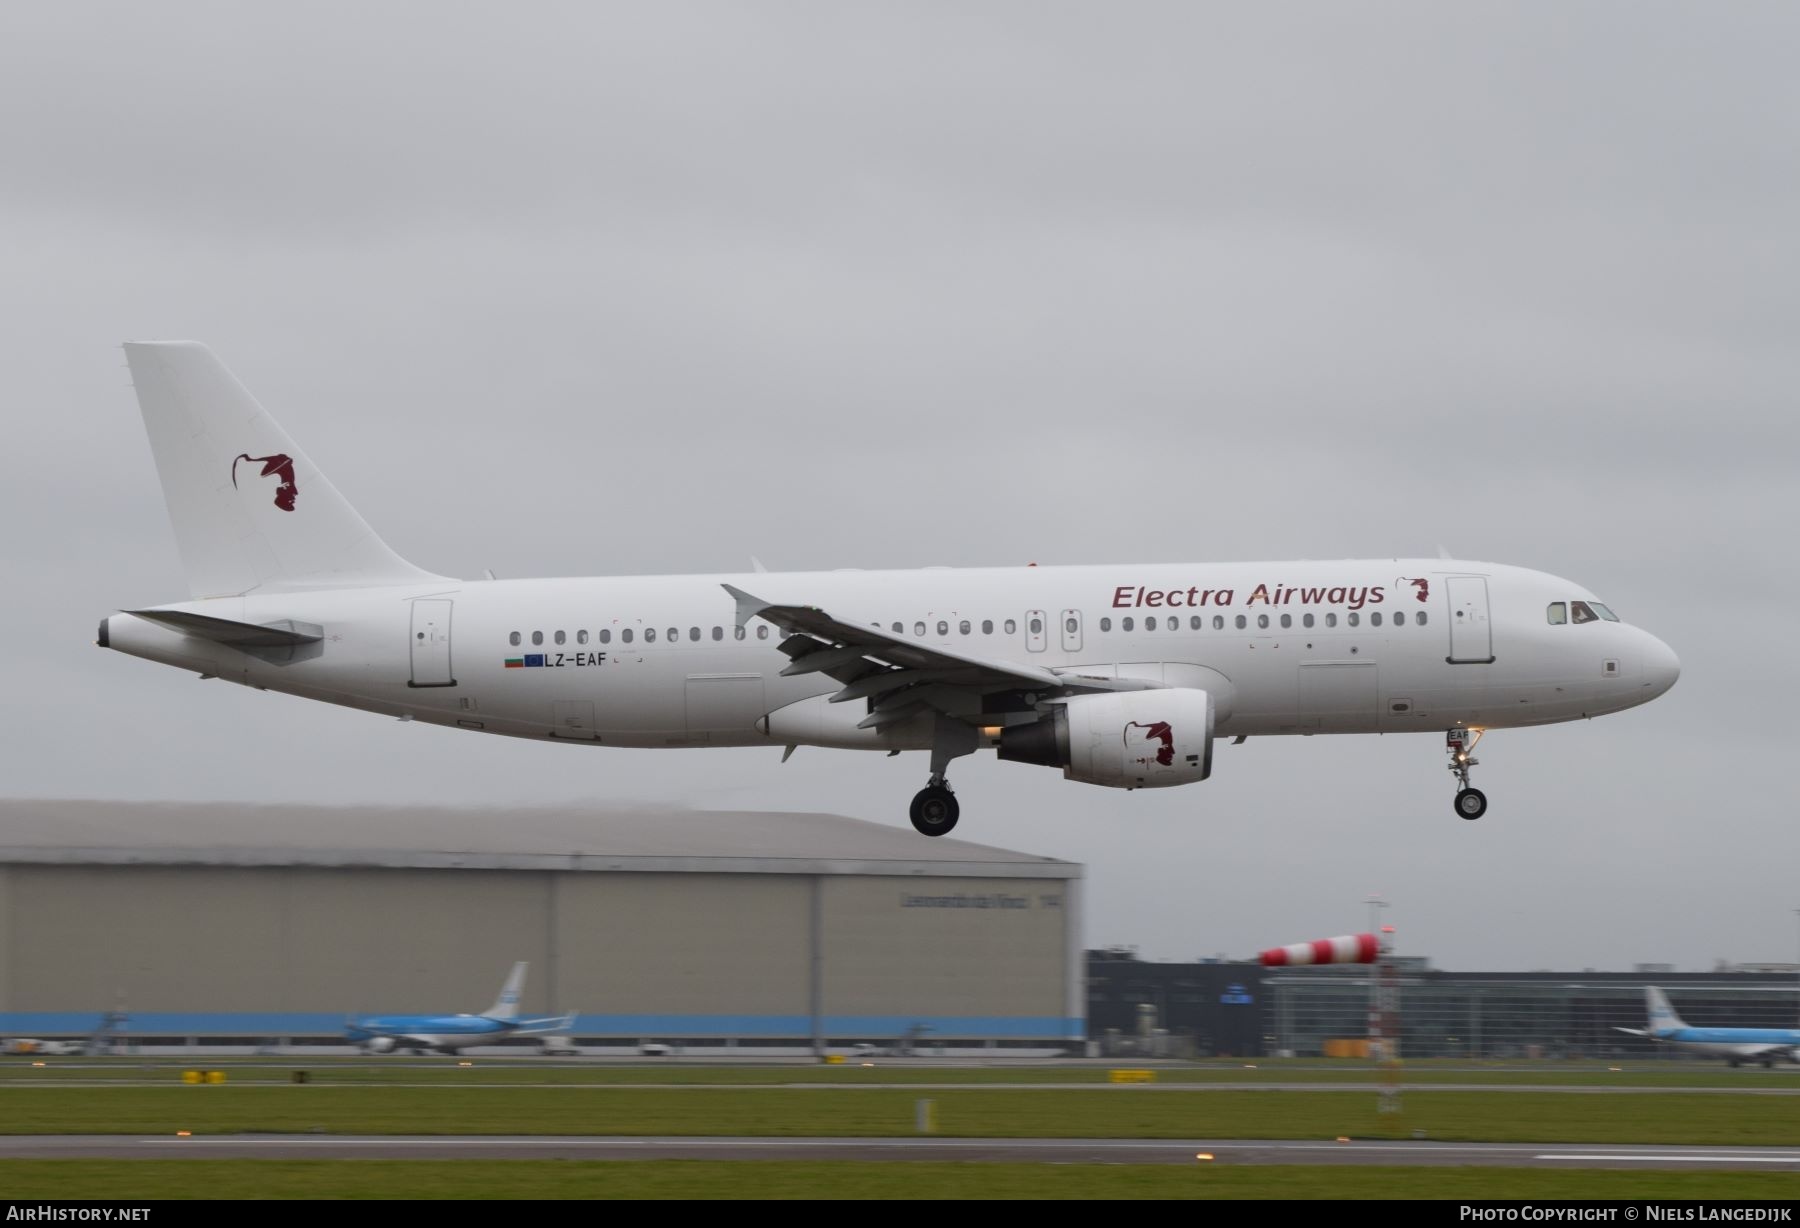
pixel 230 923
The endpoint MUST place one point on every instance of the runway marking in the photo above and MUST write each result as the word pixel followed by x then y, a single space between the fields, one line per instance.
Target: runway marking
pixel 1659 1158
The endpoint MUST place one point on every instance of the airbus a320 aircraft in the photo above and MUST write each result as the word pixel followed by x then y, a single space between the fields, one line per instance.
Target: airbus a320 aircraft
pixel 1122 675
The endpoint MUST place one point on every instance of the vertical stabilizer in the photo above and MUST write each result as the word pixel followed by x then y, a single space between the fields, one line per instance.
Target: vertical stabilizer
pixel 250 509
pixel 1662 1016
pixel 507 1008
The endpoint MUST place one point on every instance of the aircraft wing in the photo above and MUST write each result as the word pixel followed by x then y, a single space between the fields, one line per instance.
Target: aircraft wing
pixel 899 676
pixel 560 1023
pixel 1632 1031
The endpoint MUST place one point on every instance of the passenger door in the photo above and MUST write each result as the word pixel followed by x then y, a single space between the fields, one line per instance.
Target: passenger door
pixel 1035 630
pixel 431 643
pixel 1071 630
pixel 1471 634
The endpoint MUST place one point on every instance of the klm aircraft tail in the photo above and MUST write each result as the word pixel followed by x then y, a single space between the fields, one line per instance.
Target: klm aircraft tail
pixel 250 509
pixel 1662 1016
pixel 507 1008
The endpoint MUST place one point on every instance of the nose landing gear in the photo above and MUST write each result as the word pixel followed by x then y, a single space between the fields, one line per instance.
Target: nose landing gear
pixel 1471 803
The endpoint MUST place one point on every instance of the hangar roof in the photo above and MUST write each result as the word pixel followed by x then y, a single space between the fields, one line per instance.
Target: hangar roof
pixel 540 838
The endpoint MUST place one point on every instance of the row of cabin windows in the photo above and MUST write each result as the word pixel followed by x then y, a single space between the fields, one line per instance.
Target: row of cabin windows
pixel 1071 625
pixel 1263 621
pixel 605 635
pixel 1558 612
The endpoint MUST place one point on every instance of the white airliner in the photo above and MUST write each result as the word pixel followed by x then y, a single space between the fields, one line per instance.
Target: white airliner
pixel 448 1033
pixel 1120 675
pixel 1735 1045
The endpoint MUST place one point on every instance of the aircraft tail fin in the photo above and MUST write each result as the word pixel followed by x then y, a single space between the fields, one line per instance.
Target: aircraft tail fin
pixel 507 1007
pixel 250 509
pixel 1662 1016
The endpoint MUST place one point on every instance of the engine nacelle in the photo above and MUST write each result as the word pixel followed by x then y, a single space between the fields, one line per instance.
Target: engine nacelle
pixel 379 1044
pixel 1126 740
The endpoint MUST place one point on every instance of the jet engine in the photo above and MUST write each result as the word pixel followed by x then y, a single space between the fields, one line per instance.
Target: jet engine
pixel 379 1044
pixel 1124 740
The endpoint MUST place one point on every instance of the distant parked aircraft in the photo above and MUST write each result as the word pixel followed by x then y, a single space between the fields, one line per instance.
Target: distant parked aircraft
pixel 1735 1045
pixel 448 1033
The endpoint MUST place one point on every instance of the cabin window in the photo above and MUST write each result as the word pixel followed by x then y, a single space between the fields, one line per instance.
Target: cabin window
pixel 1242 622
pixel 1330 619
pixel 1287 620
pixel 1127 623
pixel 1262 620
pixel 1375 619
pixel 918 628
pixel 1399 618
pixel 1009 626
pixel 1556 613
pixel 649 635
pixel 560 637
pixel 1581 612
pixel 537 637
pixel 581 636
pixel 1218 622
pixel 1150 623
pixel 693 633
pixel 943 627
pixel 1603 612
pixel 1105 625
pixel 1419 617
pixel 1306 620
pixel 674 634
pixel 1037 626
pixel 964 626
pixel 899 628
pixel 1196 623
pixel 513 639
pixel 605 636
pixel 987 626
pixel 762 633
pixel 625 635
pixel 1071 626
pixel 737 633
pixel 718 633
pixel 1355 618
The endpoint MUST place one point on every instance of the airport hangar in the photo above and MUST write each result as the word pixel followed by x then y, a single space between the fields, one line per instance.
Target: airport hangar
pixel 234 924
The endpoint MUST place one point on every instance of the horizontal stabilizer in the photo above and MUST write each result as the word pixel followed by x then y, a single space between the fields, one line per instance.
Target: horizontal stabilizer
pixel 284 634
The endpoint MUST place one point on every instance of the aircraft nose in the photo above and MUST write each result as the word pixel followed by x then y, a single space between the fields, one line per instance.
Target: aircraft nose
pixel 1661 666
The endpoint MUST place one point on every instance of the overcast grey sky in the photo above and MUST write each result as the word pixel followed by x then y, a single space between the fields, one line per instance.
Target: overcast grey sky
pixel 603 288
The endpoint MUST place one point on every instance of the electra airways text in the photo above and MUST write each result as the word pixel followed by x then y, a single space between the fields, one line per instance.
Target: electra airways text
pixel 1122 676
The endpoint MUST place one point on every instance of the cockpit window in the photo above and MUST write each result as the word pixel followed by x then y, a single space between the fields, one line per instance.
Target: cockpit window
pixel 1557 613
pixel 1603 612
pixel 1581 612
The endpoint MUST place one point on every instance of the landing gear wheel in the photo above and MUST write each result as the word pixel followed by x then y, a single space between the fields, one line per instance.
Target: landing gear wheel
pixel 934 810
pixel 1471 804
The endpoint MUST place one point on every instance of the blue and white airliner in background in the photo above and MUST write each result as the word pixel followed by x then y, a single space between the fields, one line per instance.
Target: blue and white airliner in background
pixel 448 1033
pixel 1735 1045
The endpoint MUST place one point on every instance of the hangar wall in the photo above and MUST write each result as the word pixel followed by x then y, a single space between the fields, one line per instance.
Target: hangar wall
pixel 245 942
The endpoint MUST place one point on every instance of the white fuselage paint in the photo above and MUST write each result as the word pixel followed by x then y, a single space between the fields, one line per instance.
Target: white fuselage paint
pixel 1517 669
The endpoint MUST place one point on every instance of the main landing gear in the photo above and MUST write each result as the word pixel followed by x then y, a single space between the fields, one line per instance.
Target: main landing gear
pixel 1471 803
pixel 934 808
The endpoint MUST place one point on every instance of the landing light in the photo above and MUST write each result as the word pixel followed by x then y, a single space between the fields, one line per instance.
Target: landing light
pixel 465 1063
pixel 1203 1155
pixel 184 1134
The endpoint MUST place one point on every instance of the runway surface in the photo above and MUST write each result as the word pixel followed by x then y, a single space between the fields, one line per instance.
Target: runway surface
pixel 1014 1150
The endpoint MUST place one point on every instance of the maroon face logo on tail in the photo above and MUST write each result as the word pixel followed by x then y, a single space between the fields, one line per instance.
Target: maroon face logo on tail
pixel 1424 587
pixel 1160 731
pixel 280 465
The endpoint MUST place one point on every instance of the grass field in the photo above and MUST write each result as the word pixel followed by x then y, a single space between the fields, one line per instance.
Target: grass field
pixel 416 1179
pixel 973 1112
